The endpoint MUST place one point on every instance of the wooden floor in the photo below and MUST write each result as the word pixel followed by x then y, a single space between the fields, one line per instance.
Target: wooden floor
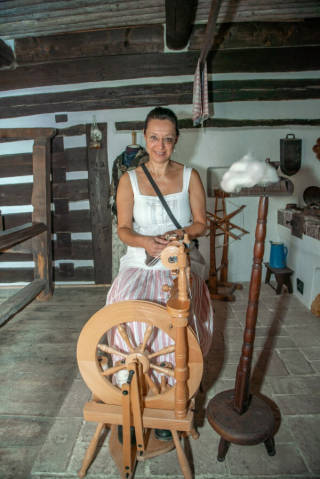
pixel 37 369
pixel 42 432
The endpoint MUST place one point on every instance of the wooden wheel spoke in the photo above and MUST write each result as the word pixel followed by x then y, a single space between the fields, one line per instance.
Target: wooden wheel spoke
pixel 146 337
pixel 123 333
pixel 113 370
pixel 166 371
pixel 109 349
pixel 151 384
pixel 167 350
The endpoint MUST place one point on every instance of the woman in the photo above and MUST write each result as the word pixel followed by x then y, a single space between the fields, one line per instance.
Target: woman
pixel 136 198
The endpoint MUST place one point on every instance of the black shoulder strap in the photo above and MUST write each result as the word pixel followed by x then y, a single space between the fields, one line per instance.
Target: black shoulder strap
pixel 161 198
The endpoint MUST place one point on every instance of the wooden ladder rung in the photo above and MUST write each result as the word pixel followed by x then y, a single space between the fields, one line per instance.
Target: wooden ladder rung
pixel 16 235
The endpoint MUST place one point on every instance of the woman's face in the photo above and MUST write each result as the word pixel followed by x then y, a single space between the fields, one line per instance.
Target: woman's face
pixel 160 137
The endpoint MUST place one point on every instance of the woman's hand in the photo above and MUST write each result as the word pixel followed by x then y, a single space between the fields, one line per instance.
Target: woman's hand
pixel 154 245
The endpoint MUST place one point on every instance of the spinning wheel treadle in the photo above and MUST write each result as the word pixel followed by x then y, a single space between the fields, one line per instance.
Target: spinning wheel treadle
pixel 140 402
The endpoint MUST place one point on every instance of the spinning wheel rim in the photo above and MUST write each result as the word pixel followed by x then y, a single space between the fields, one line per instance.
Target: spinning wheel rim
pixel 131 311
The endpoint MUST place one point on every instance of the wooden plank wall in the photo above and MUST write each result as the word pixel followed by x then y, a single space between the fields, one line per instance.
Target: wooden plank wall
pixel 138 52
pixel 64 221
pixel 159 95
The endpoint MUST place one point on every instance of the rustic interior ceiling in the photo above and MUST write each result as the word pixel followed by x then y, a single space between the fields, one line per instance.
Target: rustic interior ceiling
pixel 25 18
pixel 59 43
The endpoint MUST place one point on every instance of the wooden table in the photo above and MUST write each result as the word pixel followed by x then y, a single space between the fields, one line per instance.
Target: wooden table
pixel 283 277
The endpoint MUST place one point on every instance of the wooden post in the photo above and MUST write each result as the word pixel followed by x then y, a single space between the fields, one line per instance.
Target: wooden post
pixel 181 321
pixel 225 249
pixel 213 279
pixel 42 251
pixel 241 393
pixel 181 373
pixel 7 57
pixel 179 16
pixel 100 211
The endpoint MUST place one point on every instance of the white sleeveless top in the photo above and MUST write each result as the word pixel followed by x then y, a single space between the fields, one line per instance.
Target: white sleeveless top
pixel 151 219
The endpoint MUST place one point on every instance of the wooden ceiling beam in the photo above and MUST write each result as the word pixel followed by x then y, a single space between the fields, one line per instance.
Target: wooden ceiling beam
pixel 59 21
pixel 179 18
pixel 21 18
pixel 97 43
pixel 210 31
pixel 258 35
pixel 6 55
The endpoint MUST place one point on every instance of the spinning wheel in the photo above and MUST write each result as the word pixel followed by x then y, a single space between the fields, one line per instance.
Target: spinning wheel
pixel 141 403
pixel 115 315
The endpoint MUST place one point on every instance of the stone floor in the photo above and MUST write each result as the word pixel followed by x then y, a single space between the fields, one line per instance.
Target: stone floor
pixel 43 435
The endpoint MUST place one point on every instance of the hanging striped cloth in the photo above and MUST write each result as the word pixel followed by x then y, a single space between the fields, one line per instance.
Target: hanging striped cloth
pixel 200 111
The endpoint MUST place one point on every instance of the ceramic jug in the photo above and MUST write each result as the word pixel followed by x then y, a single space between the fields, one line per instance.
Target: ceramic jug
pixel 278 254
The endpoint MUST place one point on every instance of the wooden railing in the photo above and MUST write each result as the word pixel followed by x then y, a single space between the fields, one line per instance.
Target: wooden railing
pixel 40 228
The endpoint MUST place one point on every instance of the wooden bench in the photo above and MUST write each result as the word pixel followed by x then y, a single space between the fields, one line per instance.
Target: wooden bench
pixel 283 277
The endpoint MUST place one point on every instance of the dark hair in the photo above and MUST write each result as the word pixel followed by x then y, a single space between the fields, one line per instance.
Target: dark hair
pixel 161 113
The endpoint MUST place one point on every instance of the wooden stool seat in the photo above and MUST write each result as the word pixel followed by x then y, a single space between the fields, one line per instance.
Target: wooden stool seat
pixel 253 427
pixel 282 275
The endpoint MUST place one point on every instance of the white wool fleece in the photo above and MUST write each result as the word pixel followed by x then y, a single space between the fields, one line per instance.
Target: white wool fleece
pixel 248 172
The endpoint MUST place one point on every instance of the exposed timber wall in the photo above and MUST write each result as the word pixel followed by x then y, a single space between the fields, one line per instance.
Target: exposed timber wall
pixel 265 85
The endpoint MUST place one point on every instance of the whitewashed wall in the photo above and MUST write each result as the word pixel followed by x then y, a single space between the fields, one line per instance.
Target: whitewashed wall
pixel 214 147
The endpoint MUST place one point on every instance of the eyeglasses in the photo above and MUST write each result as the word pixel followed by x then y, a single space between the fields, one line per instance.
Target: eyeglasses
pixel 168 140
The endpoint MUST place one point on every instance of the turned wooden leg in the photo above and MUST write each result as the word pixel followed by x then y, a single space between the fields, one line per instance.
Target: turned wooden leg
pixel 183 461
pixel 90 451
pixel 223 449
pixel 270 446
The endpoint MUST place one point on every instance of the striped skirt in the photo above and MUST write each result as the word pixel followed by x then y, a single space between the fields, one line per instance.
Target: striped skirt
pixel 146 284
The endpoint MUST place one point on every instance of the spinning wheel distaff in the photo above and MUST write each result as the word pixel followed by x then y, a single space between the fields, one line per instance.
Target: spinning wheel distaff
pixel 141 402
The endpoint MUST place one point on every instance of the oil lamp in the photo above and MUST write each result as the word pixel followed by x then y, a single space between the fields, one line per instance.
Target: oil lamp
pixel 95 134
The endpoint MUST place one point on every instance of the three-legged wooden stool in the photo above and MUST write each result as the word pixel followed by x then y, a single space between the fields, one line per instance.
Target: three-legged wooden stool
pixel 283 277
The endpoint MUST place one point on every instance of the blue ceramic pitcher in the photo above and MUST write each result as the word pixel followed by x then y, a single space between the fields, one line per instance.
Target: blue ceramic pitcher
pixel 278 254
